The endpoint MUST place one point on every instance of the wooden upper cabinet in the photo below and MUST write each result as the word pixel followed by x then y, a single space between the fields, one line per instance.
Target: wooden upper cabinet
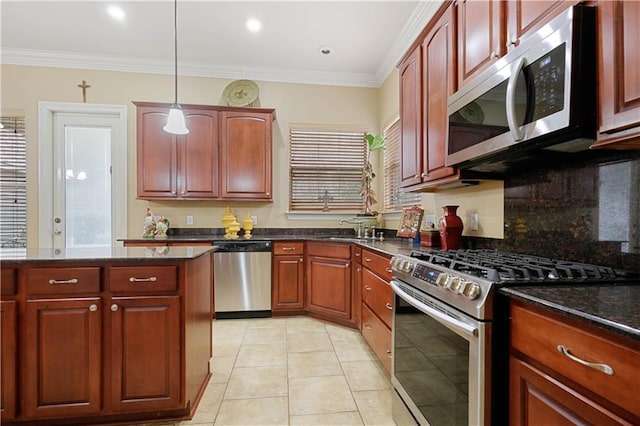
pixel 439 82
pixel 198 156
pixel 246 155
pixel 411 118
pixel 525 16
pixel 619 74
pixel 481 35
pixel 225 155
pixel 177 166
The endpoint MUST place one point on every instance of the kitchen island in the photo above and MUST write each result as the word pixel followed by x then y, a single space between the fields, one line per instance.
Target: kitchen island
pixel 107 334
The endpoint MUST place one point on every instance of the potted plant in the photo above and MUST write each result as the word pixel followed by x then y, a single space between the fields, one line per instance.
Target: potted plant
pixel 374 143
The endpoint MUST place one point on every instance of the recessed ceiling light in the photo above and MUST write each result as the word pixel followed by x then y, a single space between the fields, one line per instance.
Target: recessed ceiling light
pixel 325 50
pixel 253 25
pixel 116 12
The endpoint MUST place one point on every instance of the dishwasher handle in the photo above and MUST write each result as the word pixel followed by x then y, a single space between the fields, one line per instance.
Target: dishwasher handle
pixel 242 246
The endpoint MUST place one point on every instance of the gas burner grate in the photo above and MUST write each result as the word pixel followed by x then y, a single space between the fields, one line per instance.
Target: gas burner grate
pixel 505 267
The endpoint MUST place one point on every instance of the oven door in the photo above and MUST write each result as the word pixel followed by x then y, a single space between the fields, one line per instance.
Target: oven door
pixel 441 360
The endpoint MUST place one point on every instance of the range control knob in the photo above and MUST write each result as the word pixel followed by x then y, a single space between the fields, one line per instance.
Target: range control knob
pixel 394 262
pixel 407 266
pixel 471 290
pixel 454 284
pixel 442 279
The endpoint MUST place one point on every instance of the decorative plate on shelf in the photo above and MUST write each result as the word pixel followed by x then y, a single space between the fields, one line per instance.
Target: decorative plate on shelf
pixel 240 93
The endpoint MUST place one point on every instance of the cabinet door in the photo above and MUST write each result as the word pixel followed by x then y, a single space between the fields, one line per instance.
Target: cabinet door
pixel 481 36
pixel 63 357
pixel 198 154
pixel 145 351
pixel 536 398
pixel 246 155
pixel 525 16
pixel 411 119
pixel 329 287
pixel 9 364
pixel 157 155
pixel 438 55
pixel 619 72
pixel 288 278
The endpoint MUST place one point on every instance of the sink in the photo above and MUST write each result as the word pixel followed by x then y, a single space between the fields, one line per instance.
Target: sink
pixel 349 239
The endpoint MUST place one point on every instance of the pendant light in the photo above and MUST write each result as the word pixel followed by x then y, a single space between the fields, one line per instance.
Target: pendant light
pixel 175 121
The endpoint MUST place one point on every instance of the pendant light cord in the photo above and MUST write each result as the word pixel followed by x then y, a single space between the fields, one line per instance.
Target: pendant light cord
pixel 175 49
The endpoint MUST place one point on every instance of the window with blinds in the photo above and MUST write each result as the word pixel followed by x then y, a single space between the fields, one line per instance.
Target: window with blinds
pixel 325 169
pixel 394 199
pixel 13 183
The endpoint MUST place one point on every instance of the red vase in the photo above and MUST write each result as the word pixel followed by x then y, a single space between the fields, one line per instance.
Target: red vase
pixel 450 226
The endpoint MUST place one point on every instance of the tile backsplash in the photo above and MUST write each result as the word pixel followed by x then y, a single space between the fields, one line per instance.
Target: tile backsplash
pixel 587 212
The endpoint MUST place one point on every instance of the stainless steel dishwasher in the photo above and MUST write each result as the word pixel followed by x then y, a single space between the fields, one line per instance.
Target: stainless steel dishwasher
pixel 242 279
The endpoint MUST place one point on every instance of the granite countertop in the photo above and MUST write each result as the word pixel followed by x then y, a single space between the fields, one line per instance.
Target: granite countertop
pixel 107 253
pixel 615 308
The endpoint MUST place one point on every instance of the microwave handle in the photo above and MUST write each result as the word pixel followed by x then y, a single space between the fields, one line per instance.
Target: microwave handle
pixel 511 100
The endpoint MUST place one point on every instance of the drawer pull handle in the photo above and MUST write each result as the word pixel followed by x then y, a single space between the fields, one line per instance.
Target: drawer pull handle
pixel 389 270
pixel 367 326
pixel 71 281
pixel 142 280
pixel 357 254
pixel 600 367
pixel 368 288
pixel 368 259
pixel 388 305
pixel 288 248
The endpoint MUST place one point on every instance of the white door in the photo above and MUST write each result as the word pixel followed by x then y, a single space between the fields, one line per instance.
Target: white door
pixel 82 176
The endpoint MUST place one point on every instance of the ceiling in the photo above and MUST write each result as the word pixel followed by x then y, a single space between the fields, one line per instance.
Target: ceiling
pixel 366 38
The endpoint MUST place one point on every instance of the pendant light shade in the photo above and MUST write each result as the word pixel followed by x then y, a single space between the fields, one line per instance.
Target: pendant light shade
pixel 175 122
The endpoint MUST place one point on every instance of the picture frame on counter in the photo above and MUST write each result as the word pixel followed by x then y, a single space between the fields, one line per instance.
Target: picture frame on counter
pixel 410 222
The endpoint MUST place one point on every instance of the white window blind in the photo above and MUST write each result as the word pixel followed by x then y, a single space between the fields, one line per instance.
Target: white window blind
pixel 394 199
pixel 325 169
pixel 13 183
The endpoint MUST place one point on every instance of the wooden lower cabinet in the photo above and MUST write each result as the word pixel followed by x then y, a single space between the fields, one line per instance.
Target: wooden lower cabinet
pixel 63 357
pixel 377 305
pixel 547 386
pixel 288 281
pixel 8 366
pixel 329 292
pixel 145 353
pixel 107 342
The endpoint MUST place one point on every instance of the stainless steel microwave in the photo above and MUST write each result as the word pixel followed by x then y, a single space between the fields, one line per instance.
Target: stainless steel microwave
pixel 538 100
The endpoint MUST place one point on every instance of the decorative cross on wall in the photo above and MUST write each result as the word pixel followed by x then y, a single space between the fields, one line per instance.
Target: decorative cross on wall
pixel 325 199
pixel 84 86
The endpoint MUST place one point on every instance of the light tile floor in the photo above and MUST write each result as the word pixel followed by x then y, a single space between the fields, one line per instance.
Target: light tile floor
pixel 293 371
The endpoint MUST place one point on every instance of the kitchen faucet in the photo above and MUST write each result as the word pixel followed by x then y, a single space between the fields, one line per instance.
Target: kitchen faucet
pixel 358 223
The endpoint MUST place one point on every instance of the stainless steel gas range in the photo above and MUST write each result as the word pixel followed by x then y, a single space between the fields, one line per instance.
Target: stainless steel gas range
pixel 449 337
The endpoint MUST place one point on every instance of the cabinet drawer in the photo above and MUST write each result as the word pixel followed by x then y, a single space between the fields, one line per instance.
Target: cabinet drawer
pixel 332 250
pixel 8 282
pixel 54 281
pixel 538 336
pixel 285 247
pixel 377 294
pixel 378 336
pixel 378 263
pixel 143 279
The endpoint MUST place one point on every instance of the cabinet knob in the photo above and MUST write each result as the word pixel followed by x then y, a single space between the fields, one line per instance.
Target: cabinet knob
pixel 301 260
pixel 389 353
pixel 93 307
pixel 389 306
pixel 512 42
pixel 493 55
pixel 416 176
pixel 267 193
pixel 423 175
pixel 114 307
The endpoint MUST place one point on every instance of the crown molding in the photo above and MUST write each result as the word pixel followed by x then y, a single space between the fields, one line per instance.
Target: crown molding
pixel 422 14
pixel 57 59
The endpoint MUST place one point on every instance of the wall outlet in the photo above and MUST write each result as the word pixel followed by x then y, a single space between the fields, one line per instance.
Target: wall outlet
pixel 189 220
pixel 254 219
pixel 473 221
pixel 430 219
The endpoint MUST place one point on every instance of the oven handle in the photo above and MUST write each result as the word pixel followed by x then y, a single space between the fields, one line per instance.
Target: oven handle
pixel 449 321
